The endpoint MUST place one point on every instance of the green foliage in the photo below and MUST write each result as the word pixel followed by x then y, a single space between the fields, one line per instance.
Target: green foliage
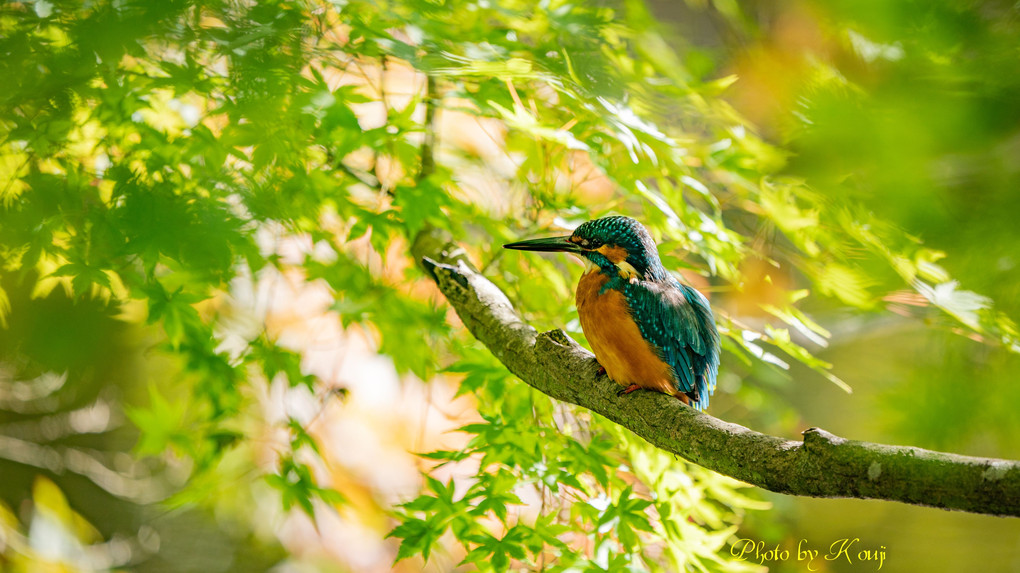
pixel 298 487
pixel 155 154
pixel 587 469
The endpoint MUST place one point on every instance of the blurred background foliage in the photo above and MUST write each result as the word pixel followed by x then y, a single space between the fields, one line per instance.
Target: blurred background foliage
pixel 216 353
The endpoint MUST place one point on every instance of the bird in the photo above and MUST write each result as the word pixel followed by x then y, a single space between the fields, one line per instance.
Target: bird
pixel 646 328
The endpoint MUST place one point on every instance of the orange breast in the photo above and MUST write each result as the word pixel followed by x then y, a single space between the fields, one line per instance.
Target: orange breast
pixel 615 338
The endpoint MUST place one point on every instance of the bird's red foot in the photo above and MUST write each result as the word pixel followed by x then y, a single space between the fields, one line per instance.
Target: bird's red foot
pixel 628 389
pixel 601 371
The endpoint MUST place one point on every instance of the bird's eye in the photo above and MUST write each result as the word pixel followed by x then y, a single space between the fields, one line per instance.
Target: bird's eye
pixel 593 243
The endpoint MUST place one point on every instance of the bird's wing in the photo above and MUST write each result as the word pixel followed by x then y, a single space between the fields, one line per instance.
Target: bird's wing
pixel 678 321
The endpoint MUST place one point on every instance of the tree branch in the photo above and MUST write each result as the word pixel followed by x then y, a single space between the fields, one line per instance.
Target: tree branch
pixel 822 465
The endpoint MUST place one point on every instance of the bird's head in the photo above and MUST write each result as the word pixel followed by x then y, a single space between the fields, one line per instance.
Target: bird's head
pixel 618 246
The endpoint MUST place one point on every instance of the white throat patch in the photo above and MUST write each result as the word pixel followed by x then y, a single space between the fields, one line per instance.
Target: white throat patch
pixel 628 271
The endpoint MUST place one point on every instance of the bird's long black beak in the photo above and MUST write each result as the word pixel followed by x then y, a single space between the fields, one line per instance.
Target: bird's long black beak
pixel 547 244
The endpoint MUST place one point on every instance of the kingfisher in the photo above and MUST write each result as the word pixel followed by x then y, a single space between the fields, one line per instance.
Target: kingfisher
pixel 647 329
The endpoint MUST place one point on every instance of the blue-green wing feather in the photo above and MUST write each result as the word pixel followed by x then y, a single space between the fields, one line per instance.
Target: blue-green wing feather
pixel 678 321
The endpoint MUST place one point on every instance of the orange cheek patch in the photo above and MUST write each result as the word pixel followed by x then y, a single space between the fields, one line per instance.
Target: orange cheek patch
pixel 614 253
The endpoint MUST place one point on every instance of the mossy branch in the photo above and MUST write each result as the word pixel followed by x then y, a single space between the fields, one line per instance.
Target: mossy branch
pixel 822 465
